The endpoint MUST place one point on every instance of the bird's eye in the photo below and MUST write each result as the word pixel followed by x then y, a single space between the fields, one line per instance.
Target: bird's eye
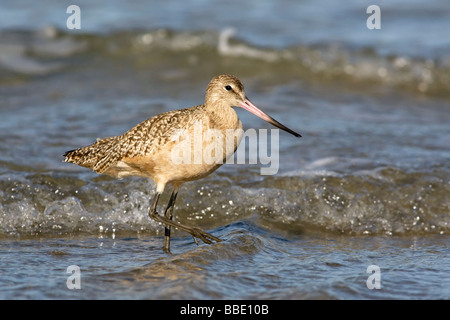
pixel 228 88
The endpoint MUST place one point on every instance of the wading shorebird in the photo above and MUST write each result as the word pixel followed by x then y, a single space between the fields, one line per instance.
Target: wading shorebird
pixel 147 149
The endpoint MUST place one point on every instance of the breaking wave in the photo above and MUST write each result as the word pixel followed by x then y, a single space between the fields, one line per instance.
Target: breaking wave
pixel 50 50
pixel 386 200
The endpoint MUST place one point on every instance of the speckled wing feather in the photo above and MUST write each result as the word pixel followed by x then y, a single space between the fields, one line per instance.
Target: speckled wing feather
pixel 90 155
pixel 141 140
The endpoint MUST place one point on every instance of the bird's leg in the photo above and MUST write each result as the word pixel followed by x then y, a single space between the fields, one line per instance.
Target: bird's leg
pixel 153 212
pixel 195 232
pixel 168 215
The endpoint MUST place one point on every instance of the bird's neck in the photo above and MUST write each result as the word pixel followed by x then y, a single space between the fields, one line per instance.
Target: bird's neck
pixel 223 116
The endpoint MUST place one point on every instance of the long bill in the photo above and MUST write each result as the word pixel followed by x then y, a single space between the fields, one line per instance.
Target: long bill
pixel 250 107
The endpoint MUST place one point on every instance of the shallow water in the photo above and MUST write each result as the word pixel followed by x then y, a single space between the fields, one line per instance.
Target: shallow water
pixel 252 263
pixel 367 184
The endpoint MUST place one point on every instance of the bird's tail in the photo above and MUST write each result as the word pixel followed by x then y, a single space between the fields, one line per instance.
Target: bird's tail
pixel 91 155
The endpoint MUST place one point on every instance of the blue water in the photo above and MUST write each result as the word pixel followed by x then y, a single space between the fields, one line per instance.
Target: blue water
pixel 367 184
pixel 407 27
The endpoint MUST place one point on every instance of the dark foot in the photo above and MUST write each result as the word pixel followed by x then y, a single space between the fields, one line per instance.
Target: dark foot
pixel 195 232
pixel 202 235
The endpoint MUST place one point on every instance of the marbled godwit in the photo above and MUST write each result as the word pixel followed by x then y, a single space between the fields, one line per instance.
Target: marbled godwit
pixel 146 149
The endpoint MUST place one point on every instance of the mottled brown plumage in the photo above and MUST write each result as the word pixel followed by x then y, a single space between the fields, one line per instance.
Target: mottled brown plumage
pixel 143 140
pixel 147 149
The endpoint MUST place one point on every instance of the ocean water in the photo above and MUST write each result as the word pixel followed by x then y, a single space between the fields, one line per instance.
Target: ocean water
pixel 368 184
